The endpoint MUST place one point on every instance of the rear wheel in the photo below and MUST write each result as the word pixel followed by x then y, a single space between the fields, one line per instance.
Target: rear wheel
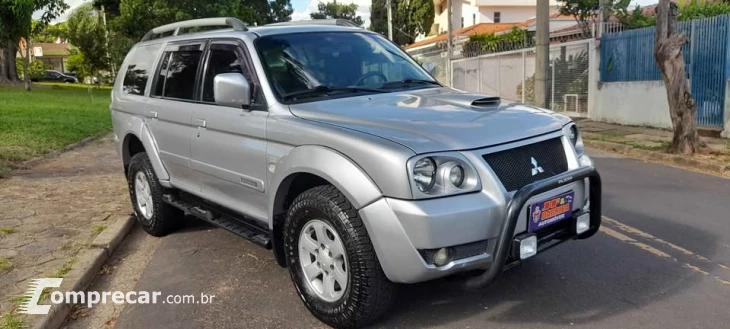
pixel 332 261
pixel 155 216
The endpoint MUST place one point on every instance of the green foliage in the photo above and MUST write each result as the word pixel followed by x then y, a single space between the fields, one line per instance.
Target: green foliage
pixel 337 10
pixel 516 38
pixel 410 18
pixel 702 9
pixel 77 64
pixel 136 17
pixel 6 231
pixel 48 33
pixel 87 32
pixel 688 10
pixel 36 68
pixel 5 264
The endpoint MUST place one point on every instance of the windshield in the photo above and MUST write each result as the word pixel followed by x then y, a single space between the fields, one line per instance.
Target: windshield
pixel 337 64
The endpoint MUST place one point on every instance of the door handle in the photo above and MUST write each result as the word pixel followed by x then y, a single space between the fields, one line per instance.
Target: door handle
pixel 202 123
pixel 153 114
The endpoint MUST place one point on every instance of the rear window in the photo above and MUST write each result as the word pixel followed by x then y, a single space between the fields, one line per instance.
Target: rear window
pixel 135 79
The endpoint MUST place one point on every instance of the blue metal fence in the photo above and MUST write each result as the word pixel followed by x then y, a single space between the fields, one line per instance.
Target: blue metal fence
pixel 629 56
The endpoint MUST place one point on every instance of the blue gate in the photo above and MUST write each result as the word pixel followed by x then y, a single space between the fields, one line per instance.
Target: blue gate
pixel 629 56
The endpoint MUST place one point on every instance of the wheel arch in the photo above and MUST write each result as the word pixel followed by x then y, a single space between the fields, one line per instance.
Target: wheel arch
pixel 134 143
pixel 306 167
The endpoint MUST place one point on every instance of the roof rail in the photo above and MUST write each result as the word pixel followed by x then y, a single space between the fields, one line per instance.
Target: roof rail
pixel 334 21
pixel 233 22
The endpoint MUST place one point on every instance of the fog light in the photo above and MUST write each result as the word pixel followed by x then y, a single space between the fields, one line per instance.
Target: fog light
pixel 528 247
pixel 443 257
pixel 583 223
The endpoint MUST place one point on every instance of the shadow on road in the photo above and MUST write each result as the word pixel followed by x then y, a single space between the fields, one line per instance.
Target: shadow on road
pixel 577 283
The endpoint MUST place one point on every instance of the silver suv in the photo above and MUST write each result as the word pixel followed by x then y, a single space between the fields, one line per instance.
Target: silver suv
pixel 328 144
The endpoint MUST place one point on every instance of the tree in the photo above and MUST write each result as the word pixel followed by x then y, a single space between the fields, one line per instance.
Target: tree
pixel 136 17
pixel 410 18
pixel 586 11
pixel 49 33
pixel 337 10
pixel 16 23
pixel 87 32
pixel 668 54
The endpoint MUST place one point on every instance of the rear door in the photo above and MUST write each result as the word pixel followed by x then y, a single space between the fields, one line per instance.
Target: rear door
pixel 229 144
pixel 172 100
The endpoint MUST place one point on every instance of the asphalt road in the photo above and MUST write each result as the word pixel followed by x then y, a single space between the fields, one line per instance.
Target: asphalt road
pixel 660 261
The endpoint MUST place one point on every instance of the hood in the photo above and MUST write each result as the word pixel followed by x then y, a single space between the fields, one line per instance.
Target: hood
pixel 434 119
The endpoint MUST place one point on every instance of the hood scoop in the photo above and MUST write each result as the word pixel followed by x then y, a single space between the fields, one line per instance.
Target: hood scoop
pixel 487 101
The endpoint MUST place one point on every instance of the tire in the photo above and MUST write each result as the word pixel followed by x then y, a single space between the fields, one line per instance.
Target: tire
pixel 159 218
pixel 368 293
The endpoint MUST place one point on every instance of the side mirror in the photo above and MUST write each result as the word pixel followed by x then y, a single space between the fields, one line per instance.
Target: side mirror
pixel 232 90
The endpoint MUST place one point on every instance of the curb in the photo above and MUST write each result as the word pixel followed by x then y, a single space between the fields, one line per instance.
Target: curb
pixel 86 268
pixel 664 158
pixel 27 164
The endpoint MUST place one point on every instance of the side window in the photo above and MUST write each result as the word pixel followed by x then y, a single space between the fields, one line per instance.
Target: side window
pixel 181 72
pixel 161 75
pixel 135 79
pixel 223 58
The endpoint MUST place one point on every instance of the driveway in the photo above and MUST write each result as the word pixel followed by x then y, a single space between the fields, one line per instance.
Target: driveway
pixel 660 261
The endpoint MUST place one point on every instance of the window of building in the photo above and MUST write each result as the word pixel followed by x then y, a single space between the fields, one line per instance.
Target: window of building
pixel 462 21
pixel 136 76
pixel 473 19
pixel 497 17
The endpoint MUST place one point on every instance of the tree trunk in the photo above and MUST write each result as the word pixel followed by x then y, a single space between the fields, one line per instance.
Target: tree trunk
pixel 11 50
pixel 668 54
pixel 3 68
pixel 26 64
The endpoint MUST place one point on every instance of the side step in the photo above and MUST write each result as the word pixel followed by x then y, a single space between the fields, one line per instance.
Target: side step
pixel 223 218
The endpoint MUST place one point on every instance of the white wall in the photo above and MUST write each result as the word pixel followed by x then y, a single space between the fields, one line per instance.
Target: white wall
pixel 636 103
pixel 509 14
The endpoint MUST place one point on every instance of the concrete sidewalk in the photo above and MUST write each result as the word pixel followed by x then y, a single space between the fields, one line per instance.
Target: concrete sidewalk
pixel 653 142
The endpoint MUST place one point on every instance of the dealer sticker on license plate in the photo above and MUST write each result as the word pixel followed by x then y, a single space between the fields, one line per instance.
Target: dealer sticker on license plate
pixel 550 211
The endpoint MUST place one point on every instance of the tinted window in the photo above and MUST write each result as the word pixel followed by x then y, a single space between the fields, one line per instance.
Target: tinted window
pixel 135 79
pixel 223 59
pixel 161 75
pixel 181 72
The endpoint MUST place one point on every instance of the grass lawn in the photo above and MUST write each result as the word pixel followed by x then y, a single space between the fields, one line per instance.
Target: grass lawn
pixel 48 118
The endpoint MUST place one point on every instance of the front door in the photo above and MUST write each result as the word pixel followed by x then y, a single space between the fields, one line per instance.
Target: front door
pixel 228 147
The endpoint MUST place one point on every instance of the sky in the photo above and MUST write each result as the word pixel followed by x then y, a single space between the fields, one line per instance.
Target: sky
pixel 302 8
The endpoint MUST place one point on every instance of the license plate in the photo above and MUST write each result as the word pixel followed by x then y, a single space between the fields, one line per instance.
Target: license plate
pixel 550 211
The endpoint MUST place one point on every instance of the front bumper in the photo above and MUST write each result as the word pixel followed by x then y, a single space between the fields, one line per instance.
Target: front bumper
pixel 400 228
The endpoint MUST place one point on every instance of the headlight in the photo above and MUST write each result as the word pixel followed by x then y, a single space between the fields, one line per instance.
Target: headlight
pixel 571 131
pixel 442 174
pixel 456 176
pixel 573 134
pixel 423 174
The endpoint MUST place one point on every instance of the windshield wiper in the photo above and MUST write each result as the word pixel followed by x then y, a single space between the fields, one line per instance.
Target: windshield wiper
pixel 326 90
pixel 410 81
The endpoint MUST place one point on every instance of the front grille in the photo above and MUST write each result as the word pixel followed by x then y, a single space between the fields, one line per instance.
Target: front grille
pixel 515 168
pixel 460 252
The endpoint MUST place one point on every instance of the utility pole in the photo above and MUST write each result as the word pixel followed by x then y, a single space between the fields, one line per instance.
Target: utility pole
pixel 106 36
pixel 542 52
pixel 449 38
pixel 390 20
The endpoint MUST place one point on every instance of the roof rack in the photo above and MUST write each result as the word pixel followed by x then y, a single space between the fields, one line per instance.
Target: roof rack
pixel 233 22
pixel 334 21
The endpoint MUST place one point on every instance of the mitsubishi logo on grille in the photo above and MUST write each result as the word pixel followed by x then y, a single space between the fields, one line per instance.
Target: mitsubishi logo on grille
pixel 536 169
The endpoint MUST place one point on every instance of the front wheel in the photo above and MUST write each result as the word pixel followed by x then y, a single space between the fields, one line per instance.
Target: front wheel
pixel 154 215
pixel 332 261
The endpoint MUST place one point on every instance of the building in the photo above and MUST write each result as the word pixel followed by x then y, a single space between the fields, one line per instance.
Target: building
pixel 53 54
pixel 466 13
